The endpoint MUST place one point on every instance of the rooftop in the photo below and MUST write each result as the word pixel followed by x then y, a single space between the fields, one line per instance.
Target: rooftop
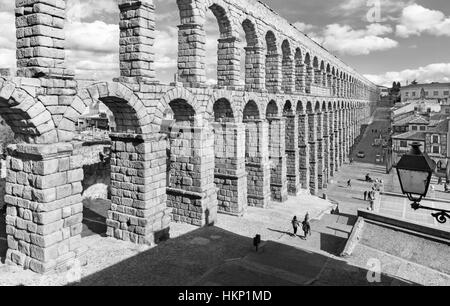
pixel 411 135
pixel 411 86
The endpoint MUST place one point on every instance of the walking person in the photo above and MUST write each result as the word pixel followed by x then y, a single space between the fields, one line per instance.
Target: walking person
pixel 365 195
pixel 295 224
pixel 349 183
pixel 306 227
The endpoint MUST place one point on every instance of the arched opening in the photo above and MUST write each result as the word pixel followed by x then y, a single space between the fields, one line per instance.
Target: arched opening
pixel 222 111
pixel 299 71
pixel 317 76
pixel 256 156
pixel 291 140
pixel 229 160
pixel 309 73
pixel 273 70
pixel 287 64
pixel 222 58
pixel 253 68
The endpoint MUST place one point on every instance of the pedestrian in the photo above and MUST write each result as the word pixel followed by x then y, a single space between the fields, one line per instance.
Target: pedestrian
pixel 349 183
pixel 295 224
pixel 257 242
pixel 446 187
pixel 306 227
pixel 440 181
pixel 365 195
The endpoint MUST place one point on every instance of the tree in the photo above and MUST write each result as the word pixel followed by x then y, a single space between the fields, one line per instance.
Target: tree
pixel 414 82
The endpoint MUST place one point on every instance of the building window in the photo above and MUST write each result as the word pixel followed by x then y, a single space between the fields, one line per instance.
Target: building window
pixel 446 93
pixel 423 128
pixel 414 127
pixel 407 94
pixel 403 144
pixel 447 111
pixel 436 93
pixel 426 93
pixel 435 139
pixel 413 93
pixel 436 150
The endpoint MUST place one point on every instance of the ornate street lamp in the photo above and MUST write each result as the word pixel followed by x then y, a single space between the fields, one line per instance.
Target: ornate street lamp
pixel 415 170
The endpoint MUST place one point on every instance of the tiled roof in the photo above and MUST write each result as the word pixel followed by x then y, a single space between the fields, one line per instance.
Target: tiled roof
pixel 412 135
pixel 441 127
pixel 409 119
pixel 426 85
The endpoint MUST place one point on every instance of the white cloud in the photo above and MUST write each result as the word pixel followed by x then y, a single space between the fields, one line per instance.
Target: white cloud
pixel 439 72
pixel 304 27
pixel 416 19
pixel 346 40
pixel 78 10
pixel 388 8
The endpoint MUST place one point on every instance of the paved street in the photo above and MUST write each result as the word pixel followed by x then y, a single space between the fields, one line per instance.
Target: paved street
pixel 379 126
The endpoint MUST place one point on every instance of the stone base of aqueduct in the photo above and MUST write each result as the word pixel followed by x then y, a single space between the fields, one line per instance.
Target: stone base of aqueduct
pixel 182 152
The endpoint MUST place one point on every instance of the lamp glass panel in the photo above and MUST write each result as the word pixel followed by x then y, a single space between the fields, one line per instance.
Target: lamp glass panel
pixel 414 182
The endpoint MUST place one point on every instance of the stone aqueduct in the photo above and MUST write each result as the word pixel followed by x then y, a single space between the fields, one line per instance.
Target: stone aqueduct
pixel 181 152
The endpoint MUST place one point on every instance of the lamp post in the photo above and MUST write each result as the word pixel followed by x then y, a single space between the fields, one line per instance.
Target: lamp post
pixel 415 170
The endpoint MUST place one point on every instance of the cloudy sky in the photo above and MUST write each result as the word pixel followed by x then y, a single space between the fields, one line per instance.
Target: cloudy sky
pixel 404 40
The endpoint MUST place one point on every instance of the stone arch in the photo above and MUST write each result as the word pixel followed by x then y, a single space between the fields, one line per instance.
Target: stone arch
pixel 299 71
pixel 309 108
pixel 129 111
pixel 223 16
pixel 254 63
pixel 273 67
pixel 27 116
pixel 301 108
pixel 330 106
pixel 223 111
pixel 307 59
pixel 182 94
pixel 288 108
pixel 251 111
pixel 208 106
pixel 287 63
pixel 317 107
pixel 272 110
pixel 183 113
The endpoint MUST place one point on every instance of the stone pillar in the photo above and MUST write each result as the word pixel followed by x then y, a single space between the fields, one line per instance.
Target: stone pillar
pixel 303 145
pixel 138 211
pixel 326 149
pixel 41 39
pixel 313 155
pixel 230 176
pixel 292 152
pixel 345 133
pixel 228 63
pixel 191 192
pixel 288 84
pixel 310 79
pixel 273 73
pixel 191 55
pixel 320 150
pixel 300 78
pixel 44 207
pixel 257 163
pixel 278 159
pixel 341 138
pixel 332 138
pixel 137 37
pixel 254 69
pixel 338 87
pixel 337 134
pixel 324 79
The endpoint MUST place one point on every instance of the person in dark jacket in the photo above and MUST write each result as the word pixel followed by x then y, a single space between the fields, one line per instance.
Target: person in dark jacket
pixel 295 224
pixel 306 226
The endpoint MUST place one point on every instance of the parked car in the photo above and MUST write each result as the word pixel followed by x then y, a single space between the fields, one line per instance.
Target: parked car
pixel 361 154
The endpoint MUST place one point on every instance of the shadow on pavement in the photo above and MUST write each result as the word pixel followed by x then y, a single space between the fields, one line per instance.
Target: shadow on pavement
pixel 94 217
pixel 213 256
